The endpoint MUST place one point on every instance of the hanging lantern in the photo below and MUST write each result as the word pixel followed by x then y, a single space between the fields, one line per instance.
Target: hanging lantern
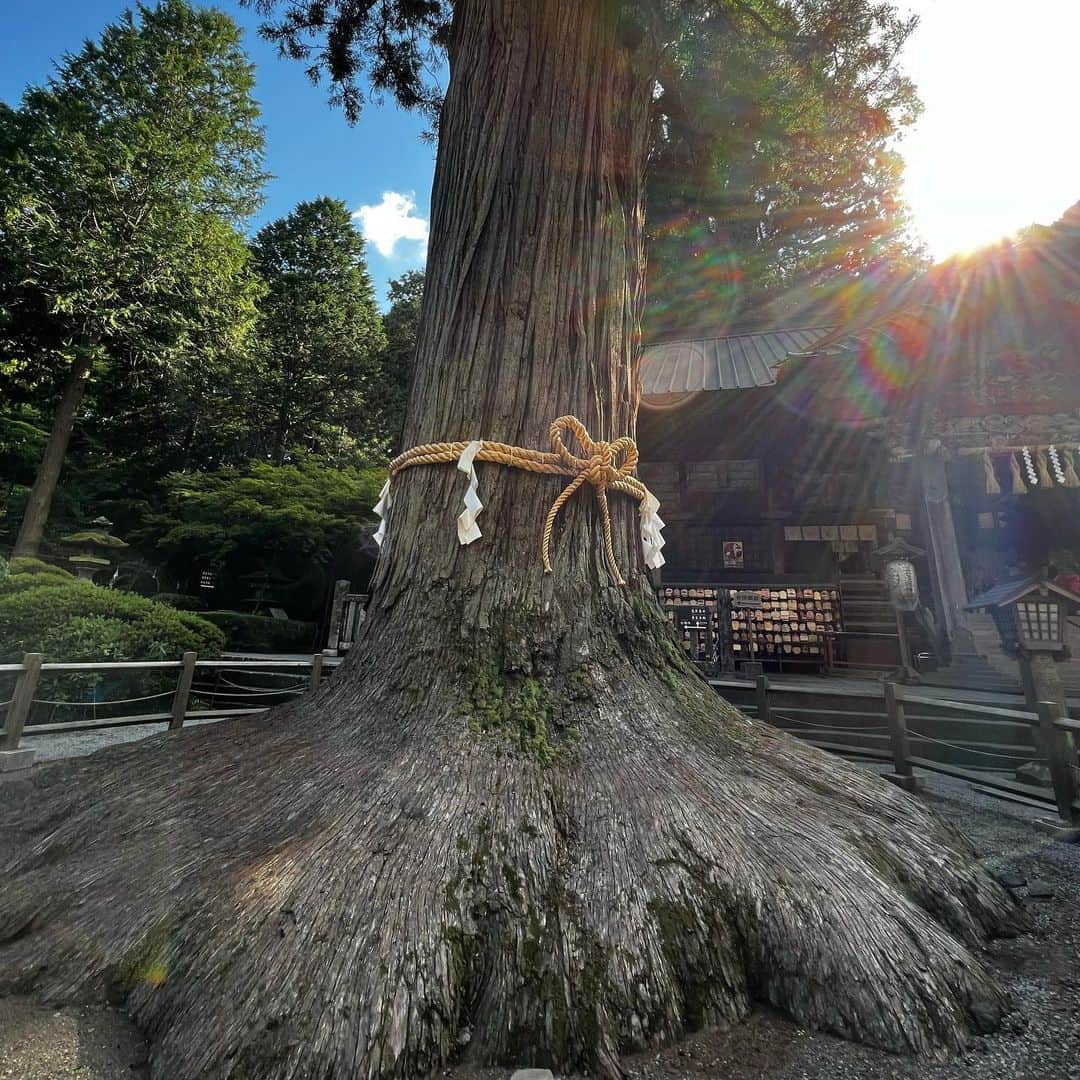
pixel 899 572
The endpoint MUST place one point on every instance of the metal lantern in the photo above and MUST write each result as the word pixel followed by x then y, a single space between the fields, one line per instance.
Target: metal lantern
pixel 899 573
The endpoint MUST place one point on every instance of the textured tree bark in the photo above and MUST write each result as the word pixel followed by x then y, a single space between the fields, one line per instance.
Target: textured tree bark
pixel 515 827
pixel 36 515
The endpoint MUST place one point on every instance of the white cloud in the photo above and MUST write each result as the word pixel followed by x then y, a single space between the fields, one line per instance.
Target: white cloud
pixel 394 219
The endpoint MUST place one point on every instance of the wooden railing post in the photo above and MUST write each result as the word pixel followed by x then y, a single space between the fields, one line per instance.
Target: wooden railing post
pixel 1061 757
pixel 19 710
pixel 337 611
pixel 904 775
pixel 183 691
pixel 316 671
pixel 763 711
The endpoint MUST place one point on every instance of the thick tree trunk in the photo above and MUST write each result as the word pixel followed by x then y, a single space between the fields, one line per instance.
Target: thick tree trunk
pixel 36 515
pixel 515 827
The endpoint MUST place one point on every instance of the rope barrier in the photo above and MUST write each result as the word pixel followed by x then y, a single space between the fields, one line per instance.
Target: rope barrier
pixel 206 691
pixel 929 738
pixel 971 749
pixel 602 468
pixel 113 701
pixel 838 728
pixel 297 682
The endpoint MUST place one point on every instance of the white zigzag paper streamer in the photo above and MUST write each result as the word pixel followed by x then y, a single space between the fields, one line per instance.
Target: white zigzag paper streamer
pixel 467 529
pixel 381 508
pixel 1033 476
pixel 1055 464
pixel 651 524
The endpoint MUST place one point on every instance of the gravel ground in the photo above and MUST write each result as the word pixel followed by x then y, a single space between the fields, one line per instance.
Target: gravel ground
pixel 68 1044
pixel 1041 1040
pixel 80 743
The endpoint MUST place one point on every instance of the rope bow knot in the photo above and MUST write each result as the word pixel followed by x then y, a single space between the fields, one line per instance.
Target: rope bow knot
pixel 600 470
pixel 606 466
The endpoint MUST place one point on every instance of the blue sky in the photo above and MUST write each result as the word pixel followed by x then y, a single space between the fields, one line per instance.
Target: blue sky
pixel 310 148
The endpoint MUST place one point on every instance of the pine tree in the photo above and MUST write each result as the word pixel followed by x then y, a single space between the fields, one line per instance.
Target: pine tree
pixel 321 333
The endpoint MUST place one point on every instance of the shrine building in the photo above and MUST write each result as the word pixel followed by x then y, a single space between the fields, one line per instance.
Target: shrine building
pixel 784 458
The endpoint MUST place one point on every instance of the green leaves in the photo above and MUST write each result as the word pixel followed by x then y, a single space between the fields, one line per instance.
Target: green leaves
pixel 125 178
pixel 321 337
pixel 292 521
pixel 773 169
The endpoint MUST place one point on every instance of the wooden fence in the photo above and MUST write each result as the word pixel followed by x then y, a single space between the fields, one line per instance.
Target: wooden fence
pixel 968 740
pixel 972 741
pixel 218 695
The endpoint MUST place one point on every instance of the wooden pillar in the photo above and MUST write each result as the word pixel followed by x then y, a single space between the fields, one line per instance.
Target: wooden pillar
pixel 776 513
pixel 779 551
pixel 946 569
pixel 762 694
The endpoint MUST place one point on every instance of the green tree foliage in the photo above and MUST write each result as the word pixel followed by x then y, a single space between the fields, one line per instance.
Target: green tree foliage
pixel 774 171
pixel 392 44
pixel 285 524
pixel 44 609
pixel 126 176
pixel 401 323
pixel 773 178
pixel 321 334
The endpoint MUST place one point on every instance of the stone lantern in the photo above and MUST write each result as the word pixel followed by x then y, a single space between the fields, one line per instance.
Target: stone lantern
pixel 93 548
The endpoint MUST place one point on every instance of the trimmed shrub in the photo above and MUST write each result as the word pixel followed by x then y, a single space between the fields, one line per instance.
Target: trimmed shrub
pixel 23 565
pixel 260 633
pixel 76 620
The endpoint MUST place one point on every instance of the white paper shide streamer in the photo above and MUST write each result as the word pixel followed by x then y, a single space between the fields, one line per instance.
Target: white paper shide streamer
pixel 1029 464
pixel 1055 464
pixel 381 508
pixel 651 524
pixel 467 529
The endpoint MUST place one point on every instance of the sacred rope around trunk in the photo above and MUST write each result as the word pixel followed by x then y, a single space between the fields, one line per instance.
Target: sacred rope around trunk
pixel 602 468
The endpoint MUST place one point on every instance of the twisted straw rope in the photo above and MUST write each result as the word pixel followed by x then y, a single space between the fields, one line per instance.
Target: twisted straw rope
pixel 601 469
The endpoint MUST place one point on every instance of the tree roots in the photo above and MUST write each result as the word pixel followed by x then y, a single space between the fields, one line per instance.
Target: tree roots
pixel 290 898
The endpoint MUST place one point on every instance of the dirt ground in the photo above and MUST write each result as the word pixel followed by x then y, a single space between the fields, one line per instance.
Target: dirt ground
pixel 1041 1040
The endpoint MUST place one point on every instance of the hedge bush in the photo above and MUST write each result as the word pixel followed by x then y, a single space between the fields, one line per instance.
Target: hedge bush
pixel 24 573
pixel 68 620
pixel 24 564
pixel 260 633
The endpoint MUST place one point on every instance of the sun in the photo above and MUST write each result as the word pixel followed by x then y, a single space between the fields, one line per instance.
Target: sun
pixel 993 151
